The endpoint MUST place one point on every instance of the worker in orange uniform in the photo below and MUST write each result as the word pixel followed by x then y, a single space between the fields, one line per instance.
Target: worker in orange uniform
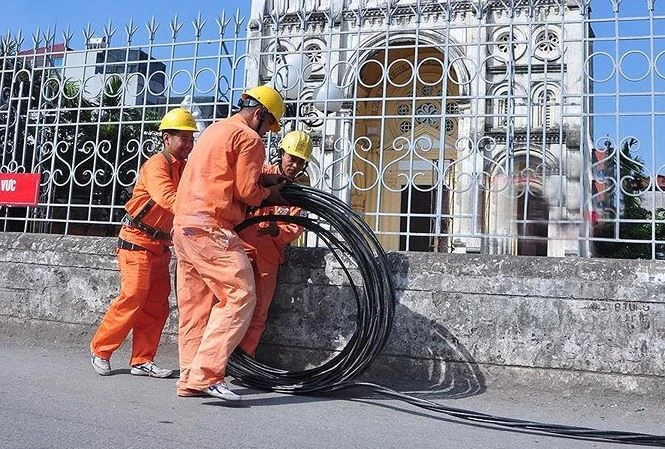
pixel 143 255
pixel 269 238
pixel 216 291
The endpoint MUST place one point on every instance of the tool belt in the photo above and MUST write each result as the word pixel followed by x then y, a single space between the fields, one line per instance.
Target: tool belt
pixel 135 221
pixel 153 233
pixel 124 244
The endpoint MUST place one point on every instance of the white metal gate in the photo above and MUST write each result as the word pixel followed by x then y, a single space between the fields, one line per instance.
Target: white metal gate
pixel 500 126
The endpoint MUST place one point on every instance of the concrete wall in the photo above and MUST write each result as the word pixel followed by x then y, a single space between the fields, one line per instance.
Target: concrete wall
pixel 462 322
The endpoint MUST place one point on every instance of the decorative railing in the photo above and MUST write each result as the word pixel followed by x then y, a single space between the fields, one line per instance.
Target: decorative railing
pixel 504 126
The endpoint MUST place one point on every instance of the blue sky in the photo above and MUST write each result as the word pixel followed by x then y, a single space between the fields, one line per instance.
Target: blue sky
pixel 629 101
pixel 28 15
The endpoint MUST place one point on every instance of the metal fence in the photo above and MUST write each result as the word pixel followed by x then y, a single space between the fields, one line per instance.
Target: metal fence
pixel 499 127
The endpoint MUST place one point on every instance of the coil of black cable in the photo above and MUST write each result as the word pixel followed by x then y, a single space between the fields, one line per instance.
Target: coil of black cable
pixel 344 232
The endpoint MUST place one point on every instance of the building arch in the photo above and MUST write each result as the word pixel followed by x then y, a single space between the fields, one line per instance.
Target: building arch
pixel 372 44
pixel 408 128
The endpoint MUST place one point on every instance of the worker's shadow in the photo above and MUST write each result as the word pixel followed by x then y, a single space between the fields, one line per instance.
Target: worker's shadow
pixel 313 314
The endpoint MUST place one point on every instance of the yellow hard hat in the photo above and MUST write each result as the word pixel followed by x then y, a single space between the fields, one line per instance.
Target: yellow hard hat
pixel 271 100
pixel 297 143
pixel 179 119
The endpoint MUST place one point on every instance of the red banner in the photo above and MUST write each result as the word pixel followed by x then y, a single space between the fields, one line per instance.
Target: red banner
pixel 19 189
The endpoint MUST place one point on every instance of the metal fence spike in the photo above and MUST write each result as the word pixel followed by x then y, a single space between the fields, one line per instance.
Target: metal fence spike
pixel 130 29
pixel 198 24
pixel 109 31
pixel 88 33
pixel 152 28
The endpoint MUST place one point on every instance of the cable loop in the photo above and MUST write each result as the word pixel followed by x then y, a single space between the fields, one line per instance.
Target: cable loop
pixel 344 231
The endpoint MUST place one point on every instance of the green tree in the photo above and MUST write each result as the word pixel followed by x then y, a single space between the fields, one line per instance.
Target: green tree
pixel 50 125
pixel 19 91
pixel 634 221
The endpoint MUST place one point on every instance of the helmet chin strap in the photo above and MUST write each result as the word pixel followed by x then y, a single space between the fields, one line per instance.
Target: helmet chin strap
pixel 263 115
pixel 250 102
pixel 304 169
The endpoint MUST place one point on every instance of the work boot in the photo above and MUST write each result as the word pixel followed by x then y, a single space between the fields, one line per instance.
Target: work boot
pixel 221 391
pixel 102 366
pixel 150 369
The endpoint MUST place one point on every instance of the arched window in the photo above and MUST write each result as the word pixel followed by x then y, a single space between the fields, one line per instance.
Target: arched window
pixel 545 108
pixel 509 43
pixel 547 44
pixel 500 107
pixel 502 110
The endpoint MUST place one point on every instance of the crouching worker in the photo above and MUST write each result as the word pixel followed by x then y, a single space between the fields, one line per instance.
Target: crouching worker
pixel 216 291
pixel 143 255
pixel 270 238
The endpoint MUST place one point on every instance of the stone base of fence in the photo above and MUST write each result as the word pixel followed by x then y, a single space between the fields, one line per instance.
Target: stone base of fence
pixel 462 322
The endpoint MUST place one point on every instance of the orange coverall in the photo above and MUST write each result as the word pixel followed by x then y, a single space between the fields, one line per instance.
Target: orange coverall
pixel 269 256
pixel 216 291
pixel 145 283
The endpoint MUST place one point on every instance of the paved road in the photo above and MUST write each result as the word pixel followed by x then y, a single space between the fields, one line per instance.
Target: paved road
pixel 51 398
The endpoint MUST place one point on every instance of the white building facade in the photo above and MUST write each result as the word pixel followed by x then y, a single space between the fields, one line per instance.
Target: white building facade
pixel 450 126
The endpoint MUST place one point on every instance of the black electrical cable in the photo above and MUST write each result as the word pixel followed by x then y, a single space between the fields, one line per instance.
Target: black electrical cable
pixel 375 299
pixel 346 234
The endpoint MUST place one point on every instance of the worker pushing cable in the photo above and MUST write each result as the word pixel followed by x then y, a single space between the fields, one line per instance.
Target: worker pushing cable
pixel 215 282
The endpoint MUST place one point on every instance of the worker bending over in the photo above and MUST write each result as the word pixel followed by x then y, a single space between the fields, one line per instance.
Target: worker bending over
pixel 215 284
pixel 269 238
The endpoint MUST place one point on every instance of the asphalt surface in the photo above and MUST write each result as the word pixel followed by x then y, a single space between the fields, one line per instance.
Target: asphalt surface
pixel 51 398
